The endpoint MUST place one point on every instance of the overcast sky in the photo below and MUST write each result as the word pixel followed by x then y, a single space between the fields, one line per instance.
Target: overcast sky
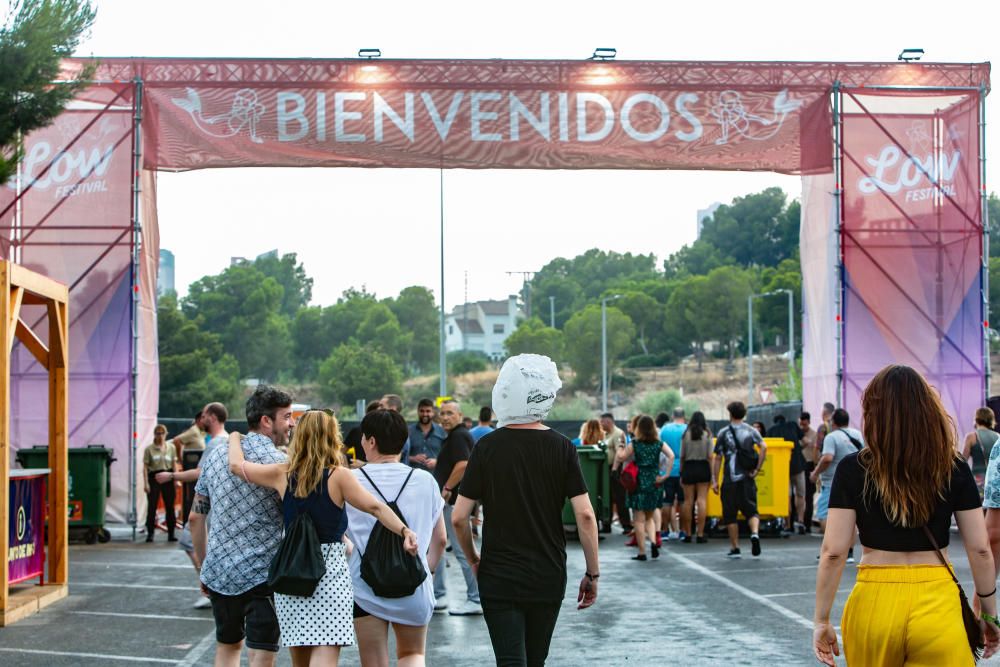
pixel 379 228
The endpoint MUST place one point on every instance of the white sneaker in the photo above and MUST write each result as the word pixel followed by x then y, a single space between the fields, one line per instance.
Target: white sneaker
pixel 202 603
pixel 440 604
pixel 468 608
pixel 673 535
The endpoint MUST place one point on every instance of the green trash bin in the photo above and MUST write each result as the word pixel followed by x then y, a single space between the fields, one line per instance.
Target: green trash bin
pixel 89 485
pixel 594 464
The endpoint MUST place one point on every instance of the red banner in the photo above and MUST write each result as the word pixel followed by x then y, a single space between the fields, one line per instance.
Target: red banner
pixel 367 126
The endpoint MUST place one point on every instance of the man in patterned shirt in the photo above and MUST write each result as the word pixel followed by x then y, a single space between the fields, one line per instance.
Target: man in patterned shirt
pixel 243 535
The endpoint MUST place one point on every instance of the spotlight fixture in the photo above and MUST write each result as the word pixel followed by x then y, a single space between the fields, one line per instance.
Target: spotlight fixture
pixel 368 54
pixel 910 55
pixel 604 54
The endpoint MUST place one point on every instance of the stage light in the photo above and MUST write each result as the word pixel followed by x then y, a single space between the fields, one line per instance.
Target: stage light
pixel 910 55
pixel 603 53
pixel 369 53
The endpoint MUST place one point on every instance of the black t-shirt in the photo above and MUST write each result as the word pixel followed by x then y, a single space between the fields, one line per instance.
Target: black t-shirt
pixel 874 527
pixel 523 477
pixel 456 447
pixel 353 439
pixel 791 432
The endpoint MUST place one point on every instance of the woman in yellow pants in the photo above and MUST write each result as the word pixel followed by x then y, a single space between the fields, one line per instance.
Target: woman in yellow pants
pixel 904 608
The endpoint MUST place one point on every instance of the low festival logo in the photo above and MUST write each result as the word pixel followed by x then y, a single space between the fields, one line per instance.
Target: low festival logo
pixel 244 114
pixel 734 117
pixel 894 170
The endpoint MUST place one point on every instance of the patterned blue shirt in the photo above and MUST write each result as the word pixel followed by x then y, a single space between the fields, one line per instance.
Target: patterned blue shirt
pixel 246 522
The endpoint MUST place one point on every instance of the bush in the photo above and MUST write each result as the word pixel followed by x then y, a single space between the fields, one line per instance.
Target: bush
pixel 571 409
pixel 651 360
pixel 467 361
pixel 665 401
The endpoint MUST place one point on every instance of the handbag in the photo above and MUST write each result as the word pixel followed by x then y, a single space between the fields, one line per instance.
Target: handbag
pixel 298 565
pixel 385 565
pixel 973 631
pixel 629 477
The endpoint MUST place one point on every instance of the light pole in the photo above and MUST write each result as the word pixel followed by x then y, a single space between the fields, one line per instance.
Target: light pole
pixel 552 312
pixel 604 350
pixel 791 337
pixel 442 354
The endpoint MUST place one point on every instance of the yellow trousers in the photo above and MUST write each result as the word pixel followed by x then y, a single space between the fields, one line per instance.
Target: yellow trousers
pixel 904 615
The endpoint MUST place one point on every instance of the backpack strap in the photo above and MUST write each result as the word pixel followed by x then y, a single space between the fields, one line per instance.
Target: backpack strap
pixel 858 445
pixel 405 481
pixel 374 486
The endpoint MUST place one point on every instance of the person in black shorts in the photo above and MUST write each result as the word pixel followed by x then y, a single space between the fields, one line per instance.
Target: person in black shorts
pixel 739 486
pixel 696 476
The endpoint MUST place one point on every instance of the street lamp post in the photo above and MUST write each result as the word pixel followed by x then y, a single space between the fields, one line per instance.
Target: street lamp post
pixel 791 337
pixel 604 351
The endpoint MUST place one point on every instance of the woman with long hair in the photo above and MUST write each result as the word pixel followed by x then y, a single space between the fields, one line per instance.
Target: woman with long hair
pixel 315 481
pixel 979 445
pixel 646 448
pixel 901 491
pixel 591 433
pixel 696 475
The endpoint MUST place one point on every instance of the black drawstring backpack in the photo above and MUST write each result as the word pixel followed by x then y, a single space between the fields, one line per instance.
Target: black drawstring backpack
pixel 385 565
pixel 298 564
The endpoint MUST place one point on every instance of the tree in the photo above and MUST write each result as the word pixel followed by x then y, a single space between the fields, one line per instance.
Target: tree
pixel 534 337
pixel 243 306
pixel 725 298
pixel 643 310
pixel 353 372
pixel 993 213
pixel 583 340
pixel 758 229
pixel 689 318
pixel 380 330
pixel 291 275
pixel 310 342
pixel 417 314
pixel 37 35
pixel 194 370
pixel 696 259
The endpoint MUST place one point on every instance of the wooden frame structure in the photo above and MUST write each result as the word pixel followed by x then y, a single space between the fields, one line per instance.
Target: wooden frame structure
pixel 19 286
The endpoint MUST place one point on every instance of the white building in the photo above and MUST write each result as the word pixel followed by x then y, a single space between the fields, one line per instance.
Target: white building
pixel 482 326
pixel 706 213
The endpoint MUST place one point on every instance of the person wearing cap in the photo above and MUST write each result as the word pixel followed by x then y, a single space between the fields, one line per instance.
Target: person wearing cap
pixel 522 474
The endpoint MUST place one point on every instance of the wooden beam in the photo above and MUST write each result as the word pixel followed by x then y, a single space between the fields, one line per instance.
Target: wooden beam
pixel 37 283
pixel 30 299
pixel 34 345
pixel 14 311
pixel 5 334
pixel 58 553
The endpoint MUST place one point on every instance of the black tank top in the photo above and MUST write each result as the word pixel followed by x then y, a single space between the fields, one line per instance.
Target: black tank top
pixel 329 519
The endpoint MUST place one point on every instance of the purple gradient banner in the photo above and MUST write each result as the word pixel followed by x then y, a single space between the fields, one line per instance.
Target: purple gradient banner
pixel 912 244
pixel 26 530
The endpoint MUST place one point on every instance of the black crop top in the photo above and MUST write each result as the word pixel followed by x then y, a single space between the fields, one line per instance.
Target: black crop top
pixel 874 527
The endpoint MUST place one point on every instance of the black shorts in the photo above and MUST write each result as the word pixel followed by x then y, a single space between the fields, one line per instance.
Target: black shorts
pixel 696 472
pixel 672 490
pixel 248 615
pixel 359 612
pixel 739 496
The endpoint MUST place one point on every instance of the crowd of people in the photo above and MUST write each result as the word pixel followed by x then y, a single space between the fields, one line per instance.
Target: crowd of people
pixel 432 483
pixel 492 497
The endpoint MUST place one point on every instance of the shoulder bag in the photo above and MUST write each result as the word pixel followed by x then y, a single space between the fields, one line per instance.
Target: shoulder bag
pixel 973 631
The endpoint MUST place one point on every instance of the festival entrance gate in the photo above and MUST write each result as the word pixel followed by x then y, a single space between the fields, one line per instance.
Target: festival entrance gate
pixel 890 154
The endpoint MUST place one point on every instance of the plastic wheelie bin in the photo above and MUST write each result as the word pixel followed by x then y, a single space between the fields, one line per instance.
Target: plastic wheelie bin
pixel 772 483
pixel 89 486
pixel 594 464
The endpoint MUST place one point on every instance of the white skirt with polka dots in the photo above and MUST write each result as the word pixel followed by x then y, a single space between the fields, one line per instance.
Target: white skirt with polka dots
pixel 325 618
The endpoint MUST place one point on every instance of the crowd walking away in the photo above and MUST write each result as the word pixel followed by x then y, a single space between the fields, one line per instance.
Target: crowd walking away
pixel 315 551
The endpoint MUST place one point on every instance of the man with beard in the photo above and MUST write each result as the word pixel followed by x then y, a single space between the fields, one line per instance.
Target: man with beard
pixel 245 530
pixel 426 437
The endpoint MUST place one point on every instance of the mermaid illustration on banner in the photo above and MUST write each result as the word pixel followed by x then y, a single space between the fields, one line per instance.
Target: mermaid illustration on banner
pixel 733 116
pixel 245 113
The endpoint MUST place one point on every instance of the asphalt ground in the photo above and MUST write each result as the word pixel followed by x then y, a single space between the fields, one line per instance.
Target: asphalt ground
pixel 131 603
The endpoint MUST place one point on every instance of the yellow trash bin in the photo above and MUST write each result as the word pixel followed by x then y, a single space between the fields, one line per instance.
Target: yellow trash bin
pixel 772 483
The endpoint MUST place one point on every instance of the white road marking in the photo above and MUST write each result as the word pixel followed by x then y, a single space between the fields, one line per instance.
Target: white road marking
pixel 149 586
pixel 746 592
pixel 112 564
pixel 165 617
pixel 787 595
pixel 97 656
pixel 201 648
pixel 768 569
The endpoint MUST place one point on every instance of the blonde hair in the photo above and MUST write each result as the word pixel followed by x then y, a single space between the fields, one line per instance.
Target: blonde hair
pixel 316 446
pixel 910 446
pixel 591 433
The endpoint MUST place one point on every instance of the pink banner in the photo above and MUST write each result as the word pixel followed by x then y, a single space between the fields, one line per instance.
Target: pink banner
pixel 26 529
pixel 72 224
pixel 772 129
pixel 912 243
